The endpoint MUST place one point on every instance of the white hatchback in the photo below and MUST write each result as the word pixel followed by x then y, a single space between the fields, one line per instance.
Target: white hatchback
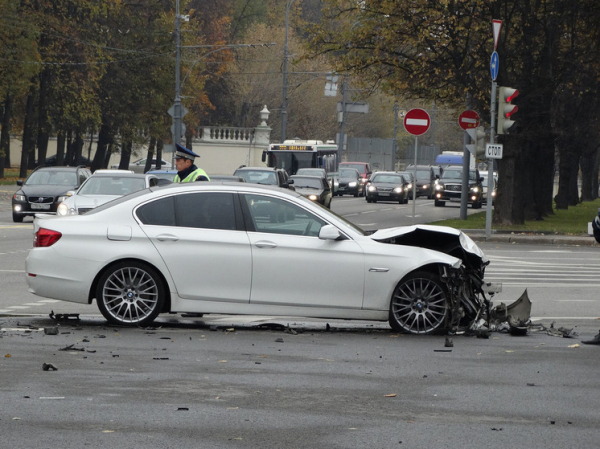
pixel 249 249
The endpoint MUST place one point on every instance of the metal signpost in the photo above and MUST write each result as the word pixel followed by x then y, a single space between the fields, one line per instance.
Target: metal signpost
pixel 494 66
pixel 416 122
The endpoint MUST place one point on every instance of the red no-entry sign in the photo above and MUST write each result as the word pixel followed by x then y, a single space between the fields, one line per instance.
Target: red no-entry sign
pixel 468 119
pixel 417 122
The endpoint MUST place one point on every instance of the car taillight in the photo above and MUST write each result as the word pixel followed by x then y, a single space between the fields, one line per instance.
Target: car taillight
pixel 45 237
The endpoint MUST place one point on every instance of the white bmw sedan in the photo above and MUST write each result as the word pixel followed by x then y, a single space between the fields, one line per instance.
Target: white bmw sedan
pixel 237 248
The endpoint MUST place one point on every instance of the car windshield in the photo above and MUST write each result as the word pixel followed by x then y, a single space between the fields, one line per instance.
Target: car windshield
pixel 389 179
pixel 258 176
pixel 423 174
pixel 457 174
pixel 359 167
pixel 52 177
pixel 303 182
pixel 348 173
pixel 310 171
pixel 111 185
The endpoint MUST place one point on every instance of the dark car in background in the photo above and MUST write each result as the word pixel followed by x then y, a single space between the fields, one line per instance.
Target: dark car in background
pixel 44 189
pixel 315 188
pixel 449 187
pixel 363 168
pixel 265 176
pixel 596 226
pixel 425 180
pixel 387 186
pixel 51 161
pixel 349 182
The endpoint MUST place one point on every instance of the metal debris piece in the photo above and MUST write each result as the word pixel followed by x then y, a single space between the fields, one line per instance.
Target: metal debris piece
pixel 448 343
pixel 49 367
pixel 279 340
pixel 51 330
pixel 71 348
pixel 593 341
pixel 64 316
pixel 561 331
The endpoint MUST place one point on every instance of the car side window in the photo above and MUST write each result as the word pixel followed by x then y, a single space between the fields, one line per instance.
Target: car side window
pixel 209 210
pixel 159 213
pixel 277 216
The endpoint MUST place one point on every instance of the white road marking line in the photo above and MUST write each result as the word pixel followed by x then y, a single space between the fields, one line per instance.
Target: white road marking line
pixel 18 307
pixel 12 271
pixel 50 300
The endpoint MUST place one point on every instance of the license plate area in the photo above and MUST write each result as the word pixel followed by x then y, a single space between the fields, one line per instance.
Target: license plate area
pixel 36 206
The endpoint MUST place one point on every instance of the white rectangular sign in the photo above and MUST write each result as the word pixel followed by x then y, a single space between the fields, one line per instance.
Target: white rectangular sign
pixel 493 151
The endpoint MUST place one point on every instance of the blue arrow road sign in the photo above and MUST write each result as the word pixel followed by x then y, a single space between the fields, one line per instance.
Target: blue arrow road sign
pixel 494 65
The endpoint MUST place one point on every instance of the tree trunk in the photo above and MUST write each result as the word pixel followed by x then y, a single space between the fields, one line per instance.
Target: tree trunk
pixel 60 148
pixel 159 150
pixel 5 135
pixel 69 153
pixel 150 154
pixel 589 165
pixel 102 155
pixel 44 126
pixel 125 155
pixel 28 137
pixel 77 148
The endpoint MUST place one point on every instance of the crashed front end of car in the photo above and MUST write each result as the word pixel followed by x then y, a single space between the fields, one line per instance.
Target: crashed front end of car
pixel 469 295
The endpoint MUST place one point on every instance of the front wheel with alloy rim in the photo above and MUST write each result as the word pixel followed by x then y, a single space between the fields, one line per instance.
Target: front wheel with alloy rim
pixel 419 304
pixel 130 294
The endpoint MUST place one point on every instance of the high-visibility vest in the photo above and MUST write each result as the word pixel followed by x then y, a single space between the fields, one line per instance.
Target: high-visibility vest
pixel 192 176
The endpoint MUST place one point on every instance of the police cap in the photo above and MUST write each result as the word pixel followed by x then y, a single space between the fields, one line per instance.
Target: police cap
pixel 183 152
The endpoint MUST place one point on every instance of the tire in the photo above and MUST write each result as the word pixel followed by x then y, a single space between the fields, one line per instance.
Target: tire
pixel 356 194
pixel 419 304
pixel 439 203
pixel 121 299
pixel 17 218
pixel 476 205
pixel 368 199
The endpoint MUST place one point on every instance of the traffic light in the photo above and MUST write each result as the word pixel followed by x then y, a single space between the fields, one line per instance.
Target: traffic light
pixel 477 147
pixel 506 110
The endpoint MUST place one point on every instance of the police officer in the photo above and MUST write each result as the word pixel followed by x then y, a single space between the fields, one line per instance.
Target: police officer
pixel 186 169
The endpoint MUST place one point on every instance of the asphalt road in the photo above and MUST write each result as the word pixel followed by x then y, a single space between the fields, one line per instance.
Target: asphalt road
pixel 263 382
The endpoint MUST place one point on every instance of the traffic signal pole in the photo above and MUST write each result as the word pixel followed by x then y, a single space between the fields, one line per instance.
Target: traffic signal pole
pixel 491 166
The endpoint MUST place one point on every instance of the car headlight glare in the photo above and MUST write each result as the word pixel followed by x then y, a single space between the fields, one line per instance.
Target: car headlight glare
pixel 19 197
pixel 398 190
pixel 62 198
pixel 371 188
pixel 352 184
pixel 62 209
pixel 312 197
pixel 475 189
pixel 439 187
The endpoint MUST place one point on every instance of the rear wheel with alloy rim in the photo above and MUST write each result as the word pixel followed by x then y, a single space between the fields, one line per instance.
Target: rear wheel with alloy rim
pixel 419 304
pixel 130 294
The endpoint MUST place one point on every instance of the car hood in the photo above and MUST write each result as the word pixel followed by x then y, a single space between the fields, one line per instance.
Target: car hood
pixel 91 200
pixel 46 190
pixel 305 192
pixel 390 185
pixel 439 238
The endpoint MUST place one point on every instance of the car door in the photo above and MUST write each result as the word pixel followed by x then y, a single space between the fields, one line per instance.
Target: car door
pixel 200 237
pixel 291 266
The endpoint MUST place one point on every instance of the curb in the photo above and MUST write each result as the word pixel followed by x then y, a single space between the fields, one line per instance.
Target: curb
pixel 532 238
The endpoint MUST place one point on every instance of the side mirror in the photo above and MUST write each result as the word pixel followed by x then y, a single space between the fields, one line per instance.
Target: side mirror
pixel 481 179
pixel 330 232
pixel 19 182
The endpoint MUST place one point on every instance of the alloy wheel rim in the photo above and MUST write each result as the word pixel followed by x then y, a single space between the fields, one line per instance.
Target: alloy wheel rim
pixel 419 306
pixel 130 294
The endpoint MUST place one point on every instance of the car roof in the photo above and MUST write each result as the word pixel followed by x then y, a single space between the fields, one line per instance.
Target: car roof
pixel 126 174
pixel 256 168
pixel 161 171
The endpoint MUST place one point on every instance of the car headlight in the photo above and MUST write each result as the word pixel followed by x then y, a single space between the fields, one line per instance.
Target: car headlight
pixel 398 190
pixel 439 187
pixel 313 197
pixel 19 197
pixel 425 186
pixel 475 189
pixel 409 186
pixel 62 198
pixel 352 184
pixel 371 188
pixel 62 209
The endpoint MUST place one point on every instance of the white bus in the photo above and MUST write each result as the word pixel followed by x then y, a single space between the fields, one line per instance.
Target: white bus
pixel 294 154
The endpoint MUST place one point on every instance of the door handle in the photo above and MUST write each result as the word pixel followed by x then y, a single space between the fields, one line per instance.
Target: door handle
pixel 265 244
pixel 167 238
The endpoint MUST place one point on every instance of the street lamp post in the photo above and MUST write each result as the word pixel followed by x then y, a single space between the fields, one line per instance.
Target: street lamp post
pixel 285 60
pixel 177 105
